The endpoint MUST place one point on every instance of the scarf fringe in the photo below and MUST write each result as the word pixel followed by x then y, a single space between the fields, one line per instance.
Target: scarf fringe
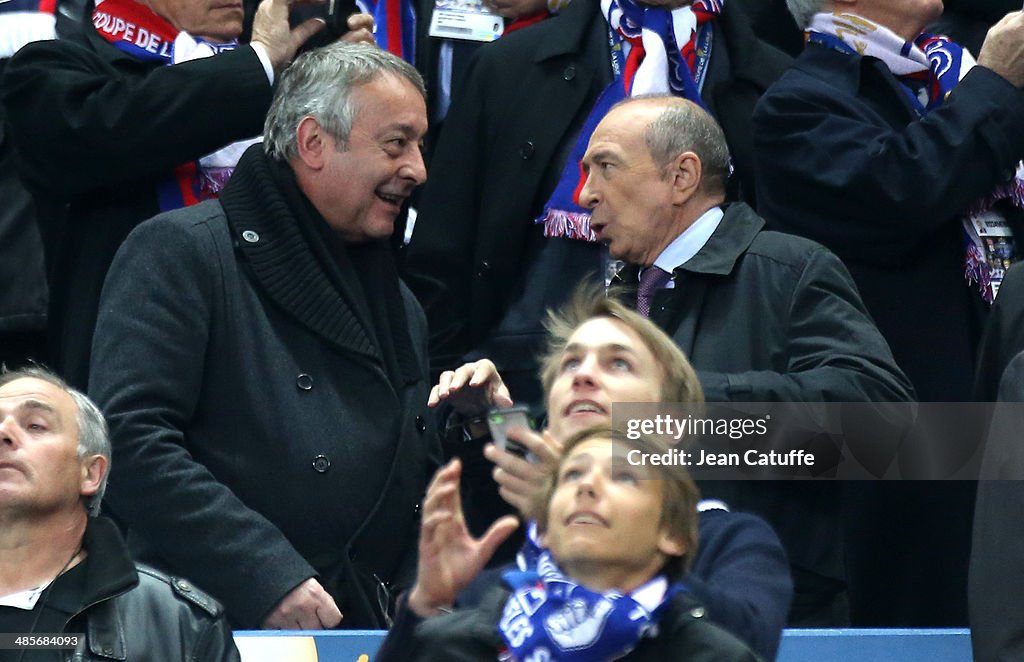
pixel 1012 191
pixel 571 225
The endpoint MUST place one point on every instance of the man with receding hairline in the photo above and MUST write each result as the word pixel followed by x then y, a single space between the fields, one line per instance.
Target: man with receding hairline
pixel 763 316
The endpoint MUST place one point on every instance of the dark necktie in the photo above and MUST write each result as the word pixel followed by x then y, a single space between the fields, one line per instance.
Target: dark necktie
pixel 650 280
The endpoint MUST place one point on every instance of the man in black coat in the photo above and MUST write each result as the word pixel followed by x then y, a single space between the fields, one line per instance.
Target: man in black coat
pixel 763 316
pixel 479 264
pixel 113 124
pixel 263 369
pixel 883 169
pixel 65 570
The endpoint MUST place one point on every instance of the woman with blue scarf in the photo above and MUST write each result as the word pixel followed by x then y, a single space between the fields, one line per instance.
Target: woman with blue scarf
pixel 604 586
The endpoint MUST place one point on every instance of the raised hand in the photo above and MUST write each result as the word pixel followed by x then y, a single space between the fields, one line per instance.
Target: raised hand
pixel 449 556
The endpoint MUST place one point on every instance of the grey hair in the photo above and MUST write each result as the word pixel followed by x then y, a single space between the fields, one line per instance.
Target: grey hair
pixel 683 126
pixel 804 10
pixel 319 84
pixel 93 437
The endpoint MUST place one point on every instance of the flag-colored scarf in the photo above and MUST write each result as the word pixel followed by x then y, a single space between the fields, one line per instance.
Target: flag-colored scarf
pixel 655 51
pixel 133 28
pixel 25 21
pixel 394 26
pixel 928 69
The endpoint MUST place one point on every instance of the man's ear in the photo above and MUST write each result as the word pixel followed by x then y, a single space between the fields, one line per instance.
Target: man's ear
pixel 672 545
pixel 685 172
pixel 313 143
pixel 94 470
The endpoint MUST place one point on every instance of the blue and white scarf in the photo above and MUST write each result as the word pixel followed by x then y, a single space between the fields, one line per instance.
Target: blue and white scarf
pixel 550 617
pixel 936 65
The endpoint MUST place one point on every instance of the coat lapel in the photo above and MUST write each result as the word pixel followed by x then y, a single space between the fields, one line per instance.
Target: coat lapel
pixel 267 236
pixel 679 310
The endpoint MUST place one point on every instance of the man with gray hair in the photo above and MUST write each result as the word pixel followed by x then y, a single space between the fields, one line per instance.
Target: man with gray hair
pixel 263 369
pixel 62 568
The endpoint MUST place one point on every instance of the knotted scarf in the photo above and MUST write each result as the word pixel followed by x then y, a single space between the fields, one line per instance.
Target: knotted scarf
pixel 928 69
pixel 654 51
pixel 133 28
pixel 548 616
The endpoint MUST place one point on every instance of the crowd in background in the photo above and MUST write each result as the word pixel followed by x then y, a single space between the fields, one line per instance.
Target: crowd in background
pixel 202 338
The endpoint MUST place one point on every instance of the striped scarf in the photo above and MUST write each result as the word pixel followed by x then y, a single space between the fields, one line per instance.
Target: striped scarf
pixel 655 51
pixel 928 69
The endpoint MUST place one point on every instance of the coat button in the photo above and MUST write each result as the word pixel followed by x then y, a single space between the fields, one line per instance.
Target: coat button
pixel 321 463
pixel 304 382
pixel 527 149
pixel 250 236
pixel 483 268
pixel 421 424
pixel 569 72
pixel 697 612
pixel 183 585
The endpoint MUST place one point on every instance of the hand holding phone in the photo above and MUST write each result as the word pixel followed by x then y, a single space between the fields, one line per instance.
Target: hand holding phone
pixel 501 420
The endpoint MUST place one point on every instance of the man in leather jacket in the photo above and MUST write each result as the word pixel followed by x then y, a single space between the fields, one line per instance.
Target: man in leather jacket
pixel 64 570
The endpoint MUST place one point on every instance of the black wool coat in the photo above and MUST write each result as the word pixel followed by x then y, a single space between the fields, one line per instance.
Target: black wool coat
pixel 263 430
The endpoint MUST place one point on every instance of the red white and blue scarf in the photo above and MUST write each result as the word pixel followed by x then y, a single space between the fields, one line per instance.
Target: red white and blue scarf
pixel 25 21
pixel 133 28
pixel 654 51
pixel 928 69
pixel 394 26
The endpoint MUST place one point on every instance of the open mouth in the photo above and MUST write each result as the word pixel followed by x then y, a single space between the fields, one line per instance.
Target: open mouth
pixel 585 407
pixel 391 199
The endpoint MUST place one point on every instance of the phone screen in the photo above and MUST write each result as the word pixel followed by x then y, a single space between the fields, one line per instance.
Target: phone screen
pixel 500 421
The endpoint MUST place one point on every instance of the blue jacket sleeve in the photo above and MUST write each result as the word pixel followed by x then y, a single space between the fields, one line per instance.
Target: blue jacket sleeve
pixel 741 574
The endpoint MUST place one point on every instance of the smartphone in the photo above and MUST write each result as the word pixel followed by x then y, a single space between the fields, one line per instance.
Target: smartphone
pixel 500 421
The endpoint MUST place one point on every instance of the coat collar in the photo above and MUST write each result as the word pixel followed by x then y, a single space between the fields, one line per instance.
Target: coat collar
pixel 267 235
pixel 109 572
pixel 730 240
pixel 865 77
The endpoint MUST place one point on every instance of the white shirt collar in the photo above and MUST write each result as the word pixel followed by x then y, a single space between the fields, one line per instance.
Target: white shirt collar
pixel 689 243
pixel 651 594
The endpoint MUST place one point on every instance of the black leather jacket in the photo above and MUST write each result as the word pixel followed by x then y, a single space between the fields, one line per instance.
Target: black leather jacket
pixel 131 612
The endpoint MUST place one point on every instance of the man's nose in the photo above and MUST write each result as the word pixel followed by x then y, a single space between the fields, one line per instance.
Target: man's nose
pixel 7 425
pixel 586 371
pixel 415 169
pixel 589 483
pixel 587 197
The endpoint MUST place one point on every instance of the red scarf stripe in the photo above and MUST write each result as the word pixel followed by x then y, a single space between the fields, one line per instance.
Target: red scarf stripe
pixel 395 27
